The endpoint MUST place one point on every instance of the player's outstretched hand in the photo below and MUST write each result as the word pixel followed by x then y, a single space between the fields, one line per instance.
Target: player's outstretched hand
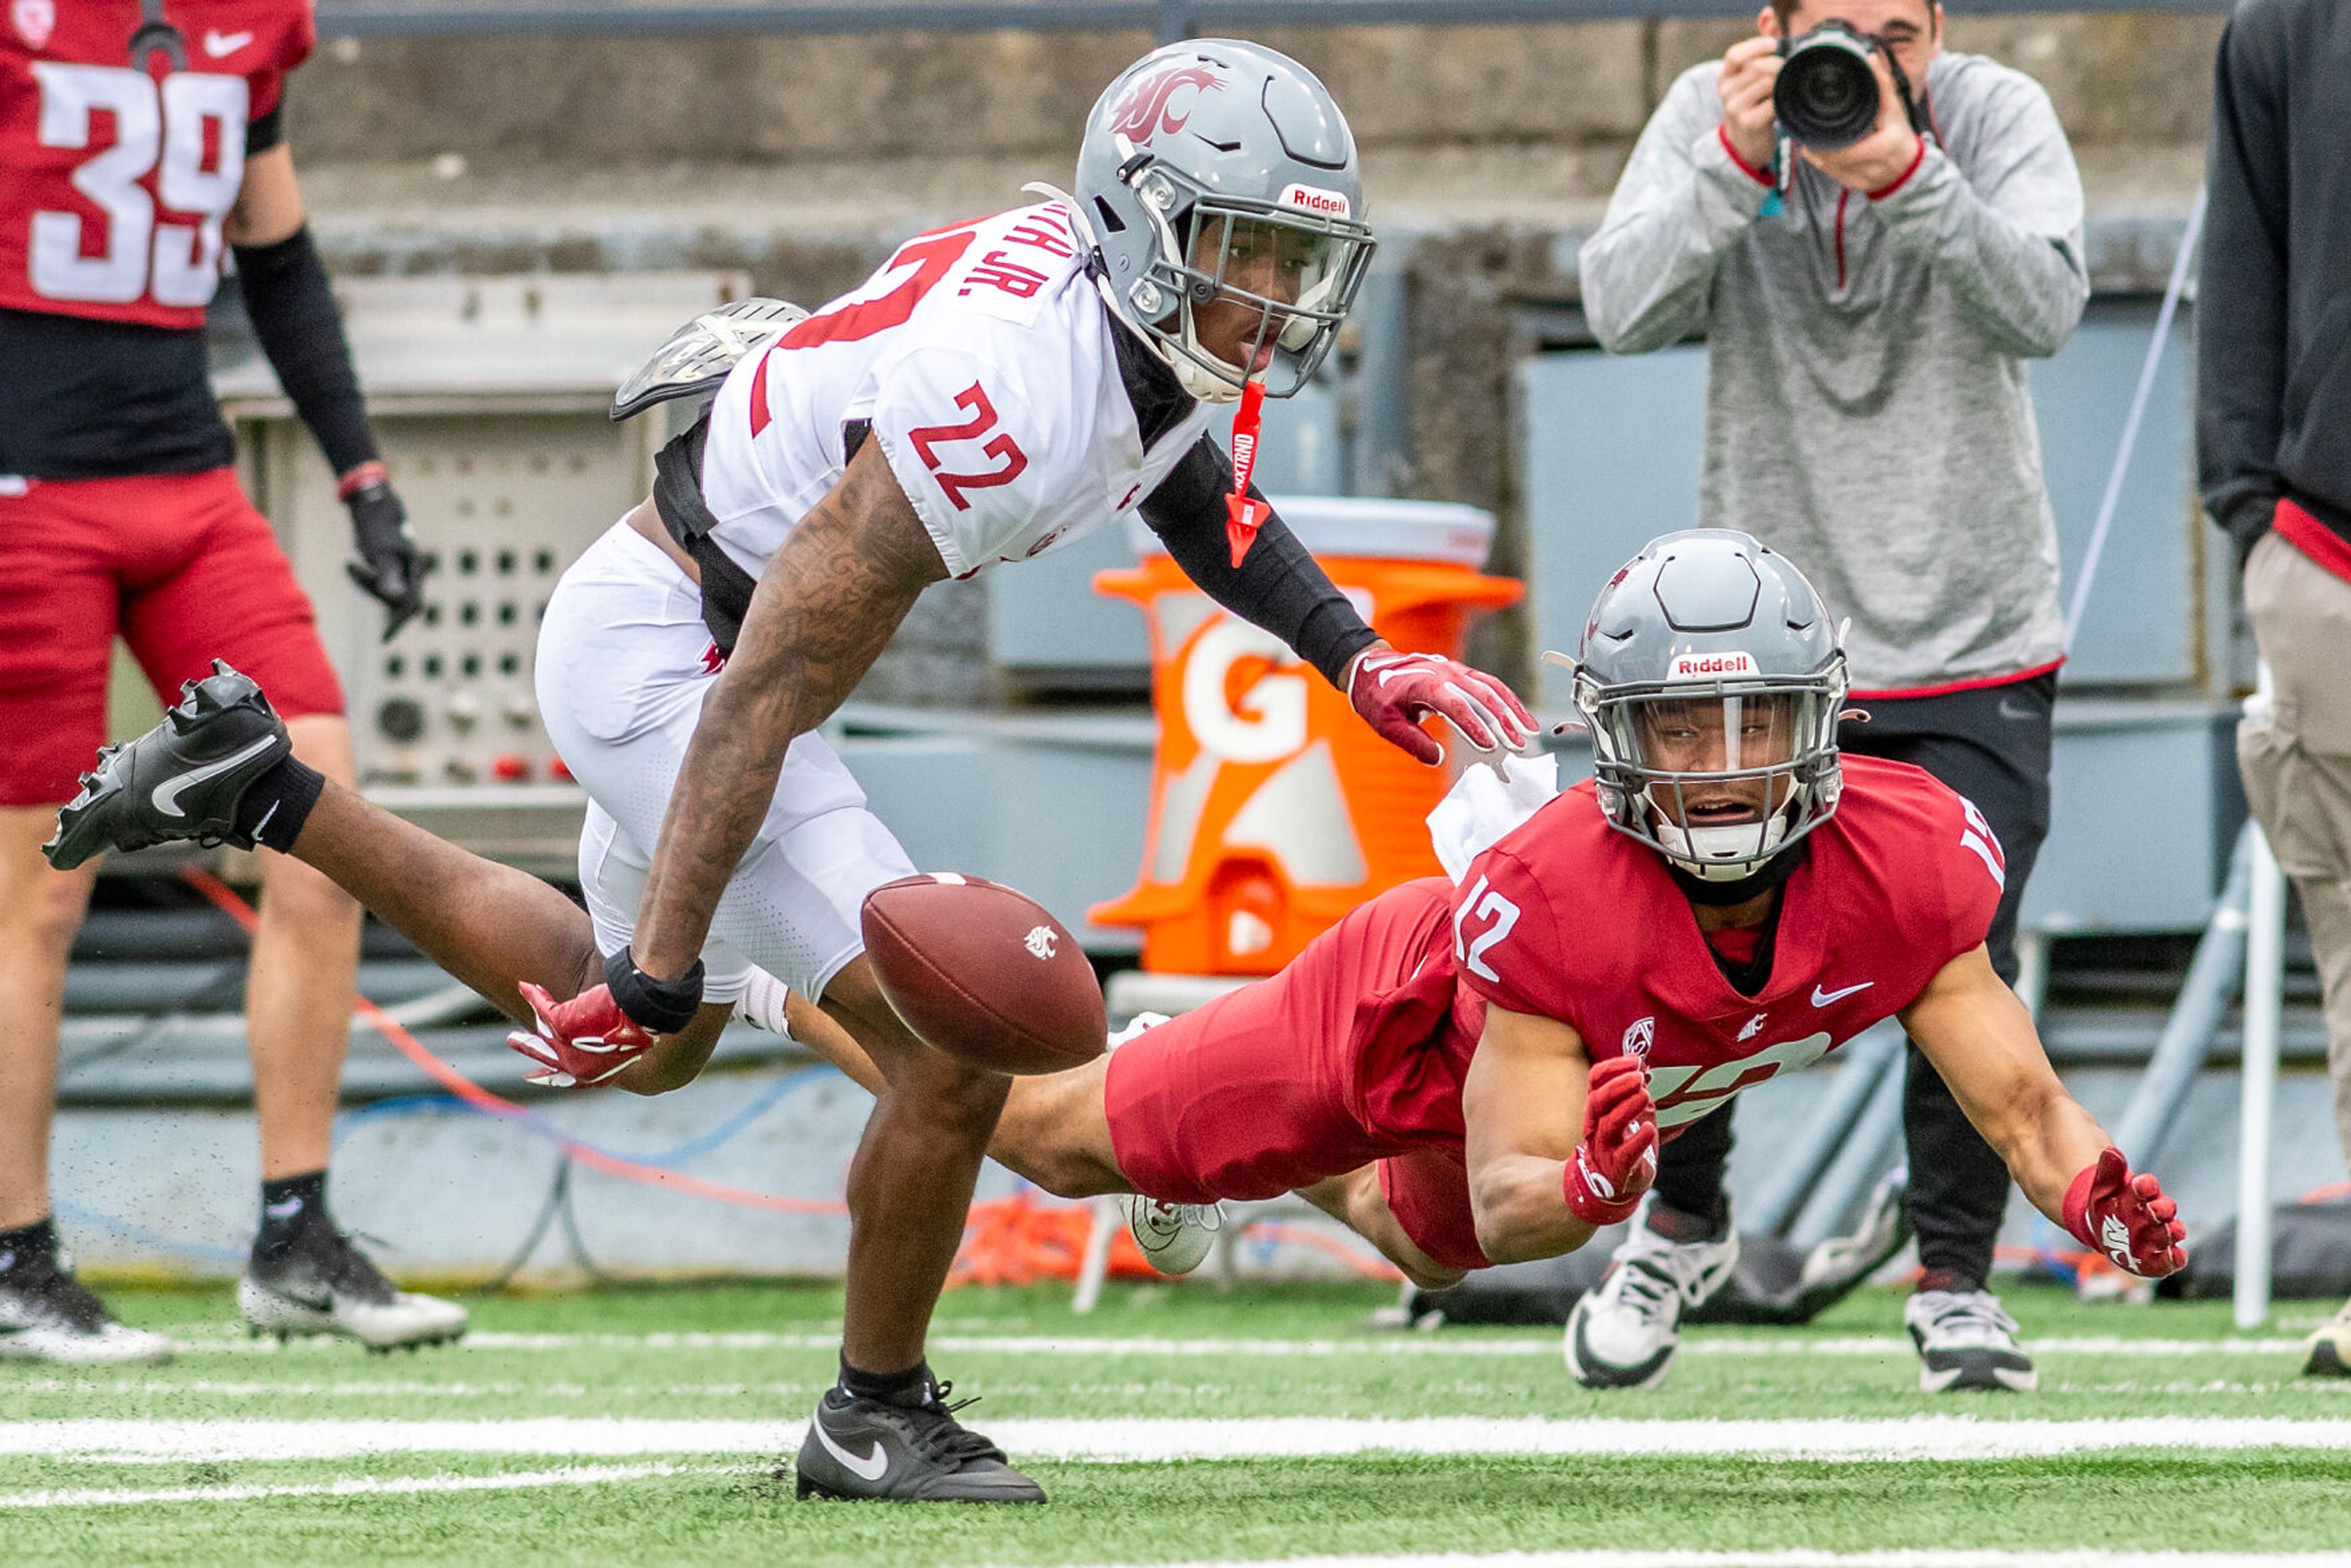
pixel 2126 1218
pixel 1618 1157
pixel 579 1043
pixel 384 561
pixel 1395 692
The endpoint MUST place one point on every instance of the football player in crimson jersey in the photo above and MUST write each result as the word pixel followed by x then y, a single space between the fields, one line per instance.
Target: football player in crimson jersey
pixel 997 387
pixel 1480 1071
pixel 139 148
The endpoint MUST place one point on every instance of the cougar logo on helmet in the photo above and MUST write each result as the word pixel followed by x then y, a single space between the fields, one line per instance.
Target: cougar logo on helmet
pixel 1147 112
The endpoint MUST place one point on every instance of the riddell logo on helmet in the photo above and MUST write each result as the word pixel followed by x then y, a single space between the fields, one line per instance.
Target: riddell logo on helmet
pixel 1314 199
pixel 1148 110
pixel 1709 666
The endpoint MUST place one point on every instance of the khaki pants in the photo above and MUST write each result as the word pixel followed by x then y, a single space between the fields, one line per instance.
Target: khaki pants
pixel 2297 767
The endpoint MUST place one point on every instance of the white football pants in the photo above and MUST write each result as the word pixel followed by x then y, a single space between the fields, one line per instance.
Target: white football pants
pixel 622 673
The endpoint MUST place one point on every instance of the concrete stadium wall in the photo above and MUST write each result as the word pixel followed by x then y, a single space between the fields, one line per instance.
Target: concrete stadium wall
pixel 520 99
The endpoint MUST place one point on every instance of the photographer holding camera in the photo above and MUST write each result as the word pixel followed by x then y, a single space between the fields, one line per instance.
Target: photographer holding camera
pixel 1874 235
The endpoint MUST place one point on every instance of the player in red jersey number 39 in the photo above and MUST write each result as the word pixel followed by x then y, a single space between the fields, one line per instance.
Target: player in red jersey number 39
pixel 140 145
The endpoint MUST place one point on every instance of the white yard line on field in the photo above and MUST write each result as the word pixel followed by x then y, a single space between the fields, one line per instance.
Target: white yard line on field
pixel 349 1486
pixel 1700 1343
pixel 2061 1557
pixel 1912 1438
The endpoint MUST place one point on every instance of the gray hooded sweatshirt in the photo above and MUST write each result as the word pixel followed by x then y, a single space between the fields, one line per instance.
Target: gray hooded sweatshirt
pixel 1866 407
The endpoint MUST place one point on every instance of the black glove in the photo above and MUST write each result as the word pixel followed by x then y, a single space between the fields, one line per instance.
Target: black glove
pixel 384 561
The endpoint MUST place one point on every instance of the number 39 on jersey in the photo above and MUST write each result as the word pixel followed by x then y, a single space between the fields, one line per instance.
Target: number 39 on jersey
pixel 116 181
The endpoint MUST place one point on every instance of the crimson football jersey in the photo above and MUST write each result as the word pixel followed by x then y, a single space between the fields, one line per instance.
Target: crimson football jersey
pixel 1565 917
pixel 114 181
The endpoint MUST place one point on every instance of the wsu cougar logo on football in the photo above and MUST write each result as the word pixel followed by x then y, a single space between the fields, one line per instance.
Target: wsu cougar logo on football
pixel 1039 941
pixel 1147 109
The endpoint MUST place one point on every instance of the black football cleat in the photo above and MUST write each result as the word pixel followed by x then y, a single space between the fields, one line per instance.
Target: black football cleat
pixel 181 780
pixel 319 1283
pixel 874 1449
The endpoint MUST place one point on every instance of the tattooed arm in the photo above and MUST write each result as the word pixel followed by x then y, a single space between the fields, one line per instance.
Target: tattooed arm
pixel 826 604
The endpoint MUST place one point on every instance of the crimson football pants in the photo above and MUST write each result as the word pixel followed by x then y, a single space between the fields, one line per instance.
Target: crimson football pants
pixel 1992 746
pixel 183 566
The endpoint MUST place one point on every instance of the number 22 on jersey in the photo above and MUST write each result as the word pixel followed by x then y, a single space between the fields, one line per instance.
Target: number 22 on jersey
pixel 160 130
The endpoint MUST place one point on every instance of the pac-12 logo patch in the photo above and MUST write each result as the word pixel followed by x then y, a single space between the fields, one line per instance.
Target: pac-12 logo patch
pixel 1640 1036
pixel 1148 109
pixel 35 20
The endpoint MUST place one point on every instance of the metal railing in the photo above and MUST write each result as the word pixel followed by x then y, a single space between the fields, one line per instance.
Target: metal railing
pixel 1167 19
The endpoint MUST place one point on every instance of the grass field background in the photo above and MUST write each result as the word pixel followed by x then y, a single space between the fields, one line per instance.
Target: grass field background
pixel 540 1439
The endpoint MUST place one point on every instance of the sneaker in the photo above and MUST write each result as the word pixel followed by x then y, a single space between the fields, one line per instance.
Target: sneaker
pixel 1623 1332
pixel 1966 1341
pixel 874 1450
pixel 181 780
pixel 321 1284
pixel 1174 1236
pixel 2327 1352
pixel 46 1315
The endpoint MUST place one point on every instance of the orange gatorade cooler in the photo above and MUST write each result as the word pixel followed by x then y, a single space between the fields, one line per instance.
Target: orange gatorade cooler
pixel 1274 809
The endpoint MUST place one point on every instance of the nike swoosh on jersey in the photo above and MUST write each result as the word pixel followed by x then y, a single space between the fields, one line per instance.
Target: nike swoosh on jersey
pixel 1821 998
pixel 167 793
pixel 220 46
pixel 871 1468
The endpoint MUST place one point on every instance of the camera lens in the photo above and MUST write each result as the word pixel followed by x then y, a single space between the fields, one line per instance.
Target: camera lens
pixel 1826 95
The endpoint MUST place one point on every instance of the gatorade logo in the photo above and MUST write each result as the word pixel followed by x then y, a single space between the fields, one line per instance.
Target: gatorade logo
pixel 1710 666
pixel 1265 723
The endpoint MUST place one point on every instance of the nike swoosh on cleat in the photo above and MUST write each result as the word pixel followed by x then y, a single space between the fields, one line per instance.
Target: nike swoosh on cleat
pixel 1821 998
pixel 283 1208
pixel 167 793
pixel 871 1468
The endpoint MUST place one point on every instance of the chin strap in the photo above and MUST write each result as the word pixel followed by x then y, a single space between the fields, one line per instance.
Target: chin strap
pixel 1243 516
pixel 1770 874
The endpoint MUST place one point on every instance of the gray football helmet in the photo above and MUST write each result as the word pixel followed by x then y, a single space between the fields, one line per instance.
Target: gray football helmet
pixel 1711 678
pixel 1210 165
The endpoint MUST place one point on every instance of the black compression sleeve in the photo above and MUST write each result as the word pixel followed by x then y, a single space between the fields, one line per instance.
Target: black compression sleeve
pixel 294 315
pixel 1278 585
pixel 265 131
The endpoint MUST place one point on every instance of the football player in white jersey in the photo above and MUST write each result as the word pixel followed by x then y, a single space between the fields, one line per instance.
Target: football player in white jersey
pixel 996 389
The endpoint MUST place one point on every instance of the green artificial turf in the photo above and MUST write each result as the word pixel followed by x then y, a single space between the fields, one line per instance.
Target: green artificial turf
pixel 1181 1351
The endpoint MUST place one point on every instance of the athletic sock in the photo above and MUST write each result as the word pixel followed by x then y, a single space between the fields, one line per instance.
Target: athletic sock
pixel 277 804
pixel 1682 1228
pixel 910 1388
pixel 1947 1280
pixel 288 1205
pixel 28 1244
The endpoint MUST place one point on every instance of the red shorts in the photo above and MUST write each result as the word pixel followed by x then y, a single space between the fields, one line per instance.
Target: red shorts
pixel 1255 1095
pixel 183 566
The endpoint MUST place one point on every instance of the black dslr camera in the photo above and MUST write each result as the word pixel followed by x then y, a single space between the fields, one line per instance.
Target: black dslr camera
pixel 1826 95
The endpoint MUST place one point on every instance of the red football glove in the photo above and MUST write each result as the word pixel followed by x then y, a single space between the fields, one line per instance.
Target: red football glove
pixel 1395 692
pixel 1618 1157
pixel 580 1043
pixel 2126 1218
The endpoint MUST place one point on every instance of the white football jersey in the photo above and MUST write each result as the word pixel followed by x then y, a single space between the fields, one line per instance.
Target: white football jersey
pixel 980 356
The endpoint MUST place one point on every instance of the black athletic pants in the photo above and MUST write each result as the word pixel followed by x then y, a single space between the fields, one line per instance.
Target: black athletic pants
pixel 1990 745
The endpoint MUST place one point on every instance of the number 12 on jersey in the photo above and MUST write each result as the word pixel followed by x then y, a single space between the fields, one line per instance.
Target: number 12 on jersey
pixel 1498 913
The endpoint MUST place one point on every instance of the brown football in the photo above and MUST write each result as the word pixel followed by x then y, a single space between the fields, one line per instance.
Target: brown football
pixel 984 973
